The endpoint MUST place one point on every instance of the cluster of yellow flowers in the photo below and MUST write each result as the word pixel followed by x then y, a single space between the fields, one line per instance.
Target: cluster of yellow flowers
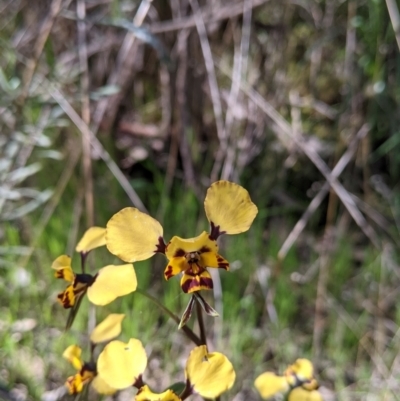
pixel 134 236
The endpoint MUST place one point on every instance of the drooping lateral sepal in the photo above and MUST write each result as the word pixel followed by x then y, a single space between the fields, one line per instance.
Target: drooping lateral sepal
pixel 188 312
pixel 207 308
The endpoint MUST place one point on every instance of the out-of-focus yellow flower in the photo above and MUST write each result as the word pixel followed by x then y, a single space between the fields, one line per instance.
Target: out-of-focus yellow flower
pixel 86 371
pixel 132 235
pixel 145 394
pixel 120 364
pixel 269 384
pixel 108 284
pixel 93 237
pixel 209 374
pixel 298 380
pixel 301 394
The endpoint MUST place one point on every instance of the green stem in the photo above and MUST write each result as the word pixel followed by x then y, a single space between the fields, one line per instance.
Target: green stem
pixel 199 313
pixel 189 333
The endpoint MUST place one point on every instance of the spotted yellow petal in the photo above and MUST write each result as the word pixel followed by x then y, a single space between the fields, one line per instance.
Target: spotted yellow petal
pixel 120 364
pixel 180 246
pixel 209 374
pixel 67 298
pixel 73 355
pixel 195 282
pixel 269 384
pixel 112 282
pixel 102 387
pixel 211 259
pixel 229 208
pixel 62 265
pixel 132 235
pixel 300 394
pixel 108 329
pixel 145 394
pixel 93 238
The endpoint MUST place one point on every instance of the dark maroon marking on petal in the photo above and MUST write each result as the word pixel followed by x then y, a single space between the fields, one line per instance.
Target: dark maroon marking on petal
pixel 64 300
pixel 204 249
pixel 168 272
pixel 139 383
pixel 215 232
pixel 160 247
pixel 189 284
pixel 179 252
pixel 222 263
pixel 206 282
pixel 59 274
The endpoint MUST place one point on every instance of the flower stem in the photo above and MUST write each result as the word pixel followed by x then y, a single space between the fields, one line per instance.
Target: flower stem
pixel 189 333
pixel 199 312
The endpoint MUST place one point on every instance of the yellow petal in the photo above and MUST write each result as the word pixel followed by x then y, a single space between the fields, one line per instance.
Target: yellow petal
pixel 132 235
pixel 101 386
pixel 145 394
pixel 180 247
pixel 65 273
pixel 302 368
pixel 229 208
pixel 92 238
pixel 299 394
pixel 112 282
pixel 175 266
pixel 63 266
pixel 67 297
pixel 310 385
pixel 269 384
pixel 211 259
pixel 108 329
pixel 120 364
pixel 61 262
pixel 73 355
pixel 209 374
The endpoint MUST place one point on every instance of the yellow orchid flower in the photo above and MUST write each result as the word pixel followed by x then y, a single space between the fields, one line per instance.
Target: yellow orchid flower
pixel 86 371
pixel 209 374
pixel 132 235
pixel 298 380
pixel 108 284
pixel 145 394
pixel 121 365
pixel 192 257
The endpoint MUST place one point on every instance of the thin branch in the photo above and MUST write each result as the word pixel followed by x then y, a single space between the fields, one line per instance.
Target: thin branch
pixel 124 52
pixel 225 12
pixel 85 112
pixel 38 47
pixel 209 63
pixel 97 146
pixel 313 206
pixel 394 18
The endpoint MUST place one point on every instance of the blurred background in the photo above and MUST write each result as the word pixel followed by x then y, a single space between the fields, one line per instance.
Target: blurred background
pixel 112 103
